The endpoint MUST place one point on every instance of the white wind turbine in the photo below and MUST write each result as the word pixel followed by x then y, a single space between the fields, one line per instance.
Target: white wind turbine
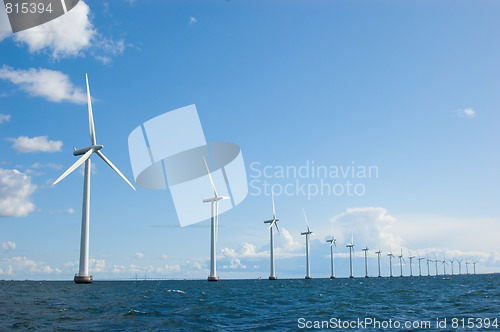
pixel 428 269
pixel 214 225
pixel 366 261
pixel 351 249
pixel 451 264
pixel 332 242
pixel 467 267
pixel 274 221
pixel 308 271
pixel 474 263
pixel 83 276
pixel 419 265
pixel 444 262
pixel 411 264
pixel 460 265
pixel 401 260
pixel 391 256
pixel 378 259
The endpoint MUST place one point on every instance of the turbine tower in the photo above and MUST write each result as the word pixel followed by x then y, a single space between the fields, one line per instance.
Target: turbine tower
pixel 419 265
pixel 391 256
pixel 467 267
pixel 274 221
pixel 474 263
pixel 83 276
pixel 332 242
pixel 366 261
pixel 411 258
pixel 308 271
pixel 378 259
pixel 351 249
pixel 214 225
pixel 444 262
pixel 401 260
pixel 428 269
pixel 460 265
pixel 436 262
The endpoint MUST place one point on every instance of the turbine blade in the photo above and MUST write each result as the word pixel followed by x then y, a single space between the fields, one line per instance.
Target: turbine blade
pixel 210 176
pixel 75 165
pixel 272 223
pixel 277 228
pixel 274 210
pixel 91 117
pixel 114 168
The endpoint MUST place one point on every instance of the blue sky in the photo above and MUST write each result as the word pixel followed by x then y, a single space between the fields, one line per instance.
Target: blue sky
pixel 408 87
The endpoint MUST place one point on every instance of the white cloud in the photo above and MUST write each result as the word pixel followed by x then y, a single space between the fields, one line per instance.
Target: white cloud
pixel 139 255
pixel 466 113
pixel 96 265
pixel 15 193
pixel 369 226
pixel 25 144
pixel 4 118
pixel 8 246
pixel 164 257
pixel 47 165
pixel 68 211
pixel 66 36
pixel 192 20
pixel 52 85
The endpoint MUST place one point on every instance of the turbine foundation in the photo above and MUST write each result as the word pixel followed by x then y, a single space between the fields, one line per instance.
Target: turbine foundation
pixel 210 278
pixel 273 278
pixel 308 277
pixel 83 279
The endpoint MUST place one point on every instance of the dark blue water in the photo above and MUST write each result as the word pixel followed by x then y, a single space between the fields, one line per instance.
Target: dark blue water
pixel 237 305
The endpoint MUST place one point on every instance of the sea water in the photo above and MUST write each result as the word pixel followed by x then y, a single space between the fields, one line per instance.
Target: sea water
pixel 464 302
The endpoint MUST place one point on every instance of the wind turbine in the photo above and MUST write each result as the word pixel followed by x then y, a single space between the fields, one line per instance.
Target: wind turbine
pixel 351 249
pixel 411 258
pixel 474 263
pixel 451 263
pixel 444 262
pixel 274 221
pixel 332 242
pixel 214 225
pixel 467 267
pixel 378 259
pixel 419 267
pixel 460 265
pixel 401 260
pixel 308 271
pixel 391 256
pixel 436 262
pixel 83 276
pixel 366 261
pixel 428 269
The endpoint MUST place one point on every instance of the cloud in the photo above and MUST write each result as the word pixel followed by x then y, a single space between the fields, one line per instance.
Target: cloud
pixel 47 165
pixel 466 113
pixel 96 265
pixel 8 246
pixel 139 255
pixel 68 211
pixel 192 20
pixel 15 193
pixel 66 36
pixel 24 265
pixel 25 144
pixel 369 226
pixel 52 85
pixel 4 118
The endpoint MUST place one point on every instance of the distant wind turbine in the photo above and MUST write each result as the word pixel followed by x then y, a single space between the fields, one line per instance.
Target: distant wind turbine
pixel 378 259
pixel 467 267
pixel 83 276
pixel 436 262
pixel 366 261
pixel 274 221
pixel 332 242
pixel 351 249
pixel 460 265
pixel 419 267
pixel 444 262
pixel 391 256
pixel 410 257
pixel 474 263
pixel 451 264
pixel 308 271
pixel 401 260
pixel 214 225
pixel 428 269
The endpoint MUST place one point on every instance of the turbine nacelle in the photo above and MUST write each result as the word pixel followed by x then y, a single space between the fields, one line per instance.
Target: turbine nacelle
pixel 215 199
pixel 79 152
